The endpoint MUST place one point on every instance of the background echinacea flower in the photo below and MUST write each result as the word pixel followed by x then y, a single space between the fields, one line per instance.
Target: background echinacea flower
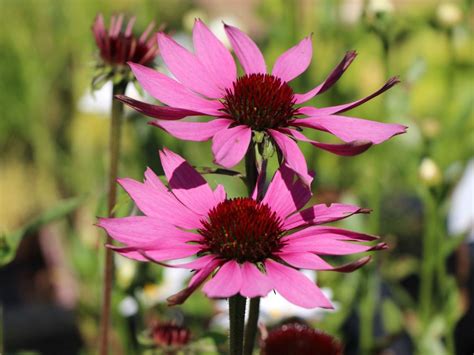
pixel 249 247
pixel 206 84
pixel 118 45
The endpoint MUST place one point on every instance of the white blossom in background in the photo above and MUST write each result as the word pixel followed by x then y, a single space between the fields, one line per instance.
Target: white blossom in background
pixel 350 11
pixel 449 14
pixel 429 172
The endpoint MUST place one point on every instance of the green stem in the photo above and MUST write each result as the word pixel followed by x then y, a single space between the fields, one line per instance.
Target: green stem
pixel 251 329
pixel 251 173
pixel 237 320
pixel 114 151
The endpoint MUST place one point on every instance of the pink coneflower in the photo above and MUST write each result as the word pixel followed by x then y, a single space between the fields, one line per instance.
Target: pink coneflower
pixel 170 335
pixel 249 247
pixel 206 84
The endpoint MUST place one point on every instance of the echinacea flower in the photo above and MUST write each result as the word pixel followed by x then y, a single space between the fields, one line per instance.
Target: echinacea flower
pixel 256 105
pixel 117 46
pixel 299 339
pixel 248 247
pixel 166 335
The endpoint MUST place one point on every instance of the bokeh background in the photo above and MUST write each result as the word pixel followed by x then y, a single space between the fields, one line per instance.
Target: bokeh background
pixel 415 298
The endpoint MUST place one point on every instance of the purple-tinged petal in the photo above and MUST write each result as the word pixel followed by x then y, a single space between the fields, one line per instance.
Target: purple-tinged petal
pixel 195 282
pixel 320 214
pixel 254 282
pixel 155 111
pixel 187 68
pixel 351 129
pixel 161 204
pixel 304 260
pixel 168 253
pixel 294 61
pixel 186 183
pixel 230 145
pixel 246 50
pixel 284 195
pixel 172 93
pixel 329 246
pixel 226 282
pixel 219 193
pixel 330 80
pixel 316 232
pixel 294 158
pixel 214 55
pixel 354 265
pixel 295 287
pixel 193 131
pixel 344 149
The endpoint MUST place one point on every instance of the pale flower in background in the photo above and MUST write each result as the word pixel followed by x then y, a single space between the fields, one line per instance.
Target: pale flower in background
pixel 429 172
pixel 350 11
pixel 449 14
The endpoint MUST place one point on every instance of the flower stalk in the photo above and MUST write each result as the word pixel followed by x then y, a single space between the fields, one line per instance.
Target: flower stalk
pixel 114 152
pixel 237 319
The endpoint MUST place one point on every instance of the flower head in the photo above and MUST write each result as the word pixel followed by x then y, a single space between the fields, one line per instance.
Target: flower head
pixel 117 46
pixel 245 245
pixel 299 339
pixel 170 335
pixel 206 84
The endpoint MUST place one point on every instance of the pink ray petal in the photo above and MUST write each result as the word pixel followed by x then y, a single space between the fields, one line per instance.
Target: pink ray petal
pixel 344 149
pixel 193 131
pixel 254 282
pixel 294 158
pixel 320 214
pixel 330 246
pixel 295 287
pixel 195 282
pixel 163 254
pixel 304 260
pixel 226 282
pixel 328 232
pixel 246 50
pixel 230 145
pixel 160 204
pixel 219 193
pixel 214 55
pixel 186 183
pixel 284 196
pixel 155 111
pixel 294 61
pixel 330 80
pixel 187 69
pixel 351 129
pixel 172 93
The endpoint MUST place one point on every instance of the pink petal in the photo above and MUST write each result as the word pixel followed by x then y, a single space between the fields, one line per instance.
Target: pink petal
pixel 330 80
pixel 172 93
pixel 226 282
pixel 193 131
pixel 316 232
pixel 186 183
pixel 351 129
pixel 320 214
pixel 294 61
pixel 163 254
pixel 214 55
pixel 312 111
pixel 160 204
pixel 285 196
pixel 254 282
pixel 161 112
pixel 230 145
pixel 304 260
pixel 295 287
pixel 344 149
pixel 219 193
pixel 187 68
pixel 246 50
pixel 294 159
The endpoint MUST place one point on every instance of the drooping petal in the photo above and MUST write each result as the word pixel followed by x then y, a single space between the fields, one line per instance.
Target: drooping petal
pixel 226 282
pixel 344 149
pixel 230 145
pixel 165 253
pixel 187 68
pixel 160 204
pixel 186 183
pixel 320 214
pixel 324 111
pixel 304 260
pixel 246 50
pixel 351 129
pixel 294 158
pixel 294 61
pixel 328 232
pixel 330 80
pixel 254 282
pixel 214 55
pixel 284 195
pixel 295 287
pixel 172 93
pixel 155 111
pixel 193 131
